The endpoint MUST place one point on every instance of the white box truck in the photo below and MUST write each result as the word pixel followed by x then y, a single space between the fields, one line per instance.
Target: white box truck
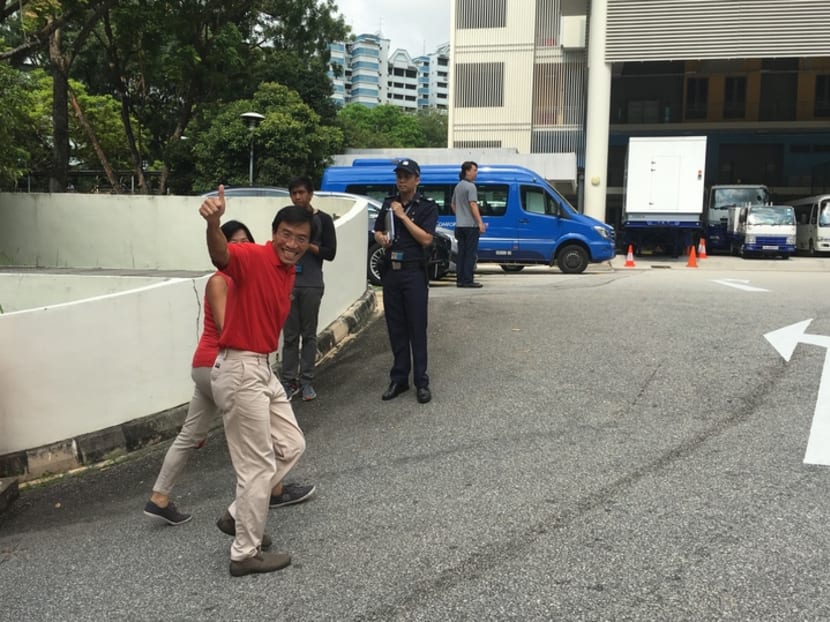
pixel 664 190
pixel 762 230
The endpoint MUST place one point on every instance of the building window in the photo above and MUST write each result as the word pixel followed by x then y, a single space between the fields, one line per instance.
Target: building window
pixel 547 23
pixel 734 98
pixel 558 94
pixel 479 85
pixel 481 14
pixel 697 96
pixel 823 96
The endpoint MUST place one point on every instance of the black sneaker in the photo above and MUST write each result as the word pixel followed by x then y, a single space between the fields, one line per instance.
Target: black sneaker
pixel 227 524
pixel 169 514
pixel 291 388
pixel 291 494
pixel 261 562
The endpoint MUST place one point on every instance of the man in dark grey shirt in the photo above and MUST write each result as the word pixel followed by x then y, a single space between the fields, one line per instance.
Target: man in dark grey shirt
pixel 468 225
pixel 308 292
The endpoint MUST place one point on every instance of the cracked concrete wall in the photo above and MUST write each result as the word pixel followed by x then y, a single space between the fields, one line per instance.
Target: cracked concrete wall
pixel 79 366
pixel 25 290
pixel 95 363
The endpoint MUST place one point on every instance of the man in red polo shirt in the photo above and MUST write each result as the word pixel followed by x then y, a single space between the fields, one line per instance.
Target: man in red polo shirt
pixel 263 437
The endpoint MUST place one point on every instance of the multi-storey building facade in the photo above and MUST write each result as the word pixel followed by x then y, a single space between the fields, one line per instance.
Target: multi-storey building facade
pixel 753 76
pixel 361 70
pixel 366 74
pixel 433 78
pixel 402 81
pixel 519 71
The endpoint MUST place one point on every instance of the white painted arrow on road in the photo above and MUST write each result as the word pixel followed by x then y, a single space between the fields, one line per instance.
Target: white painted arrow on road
pixel 739 284
pixel 785 340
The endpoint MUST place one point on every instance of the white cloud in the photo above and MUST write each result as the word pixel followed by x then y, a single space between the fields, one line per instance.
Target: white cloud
pixel 416 27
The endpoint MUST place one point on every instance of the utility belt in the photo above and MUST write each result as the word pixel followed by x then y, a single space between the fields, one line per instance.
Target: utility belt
pixel 394 261
pixel 406 265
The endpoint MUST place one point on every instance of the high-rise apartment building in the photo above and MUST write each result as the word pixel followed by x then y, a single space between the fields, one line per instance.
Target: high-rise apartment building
pixel 364 72
pixel 433 78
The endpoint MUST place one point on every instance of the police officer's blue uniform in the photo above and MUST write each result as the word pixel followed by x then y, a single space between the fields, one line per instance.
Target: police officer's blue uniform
pixel 405 288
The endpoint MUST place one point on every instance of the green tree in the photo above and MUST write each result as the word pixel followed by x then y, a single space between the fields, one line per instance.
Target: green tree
pixel 379 127
pixel 168 65
pixel 290 141
pixel 161 61
pixel 434 125
pixel 51 35
pixel 18 130
pixel 167 61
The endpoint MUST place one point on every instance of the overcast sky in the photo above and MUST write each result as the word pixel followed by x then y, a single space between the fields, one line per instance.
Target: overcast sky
pixel 414 26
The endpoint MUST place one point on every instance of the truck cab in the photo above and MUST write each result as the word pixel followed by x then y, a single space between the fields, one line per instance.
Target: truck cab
pixel 720 199
pixel 762 230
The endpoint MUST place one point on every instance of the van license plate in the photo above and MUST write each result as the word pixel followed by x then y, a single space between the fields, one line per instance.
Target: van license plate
pixel 769 248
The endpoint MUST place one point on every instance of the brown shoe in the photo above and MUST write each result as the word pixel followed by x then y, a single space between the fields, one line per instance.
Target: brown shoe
pixel 227 524
pixel 261 562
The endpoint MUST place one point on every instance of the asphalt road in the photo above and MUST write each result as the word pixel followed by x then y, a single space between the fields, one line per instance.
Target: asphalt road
pixel 618 445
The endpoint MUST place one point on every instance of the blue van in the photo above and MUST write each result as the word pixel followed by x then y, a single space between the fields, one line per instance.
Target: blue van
pixel 528 221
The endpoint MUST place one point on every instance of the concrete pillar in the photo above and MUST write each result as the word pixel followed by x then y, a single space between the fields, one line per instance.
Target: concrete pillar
pixel 597 123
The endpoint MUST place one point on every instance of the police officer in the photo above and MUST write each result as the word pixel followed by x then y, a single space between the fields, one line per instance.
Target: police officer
pixel 404 228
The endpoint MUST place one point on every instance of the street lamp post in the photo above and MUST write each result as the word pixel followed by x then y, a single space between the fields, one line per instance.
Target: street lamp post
pixel 252 119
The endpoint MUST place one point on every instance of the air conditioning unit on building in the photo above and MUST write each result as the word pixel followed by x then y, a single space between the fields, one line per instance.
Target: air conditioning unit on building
pixel 573 31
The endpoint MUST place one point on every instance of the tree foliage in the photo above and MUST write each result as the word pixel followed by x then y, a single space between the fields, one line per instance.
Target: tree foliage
pixel 19 133
pixel 390 126
pixel 159 86
pixel 290 141
pixel 434 125
pixel 382 126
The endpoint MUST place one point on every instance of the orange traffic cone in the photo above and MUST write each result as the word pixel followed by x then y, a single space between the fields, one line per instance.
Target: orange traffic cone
pixel 629 258
pixel 692 263
pixel 701 249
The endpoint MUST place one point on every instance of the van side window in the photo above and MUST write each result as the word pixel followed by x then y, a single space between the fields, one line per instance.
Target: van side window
pixel 441 194
pixel 492 199
pixel 537 201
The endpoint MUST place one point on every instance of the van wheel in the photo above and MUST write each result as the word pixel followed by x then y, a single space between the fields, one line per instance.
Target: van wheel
pixel 572 259
pixel 373 263
pixel 511 267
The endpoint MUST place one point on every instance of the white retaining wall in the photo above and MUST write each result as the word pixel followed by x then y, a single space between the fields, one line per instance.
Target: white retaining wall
pixel 87 352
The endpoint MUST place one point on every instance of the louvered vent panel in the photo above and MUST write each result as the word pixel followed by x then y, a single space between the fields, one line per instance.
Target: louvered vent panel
pixel 641 30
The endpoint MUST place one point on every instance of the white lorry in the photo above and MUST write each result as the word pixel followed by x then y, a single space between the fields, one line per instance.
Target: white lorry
pixel 762 230
pixel 721 198
pixel 664 193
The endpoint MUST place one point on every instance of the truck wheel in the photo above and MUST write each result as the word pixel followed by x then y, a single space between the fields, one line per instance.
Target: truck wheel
pixel 511 267
pixel 572 259
pixel 373 264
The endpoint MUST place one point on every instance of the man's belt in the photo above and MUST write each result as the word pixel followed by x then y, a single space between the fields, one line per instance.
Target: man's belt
pixel 406 265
